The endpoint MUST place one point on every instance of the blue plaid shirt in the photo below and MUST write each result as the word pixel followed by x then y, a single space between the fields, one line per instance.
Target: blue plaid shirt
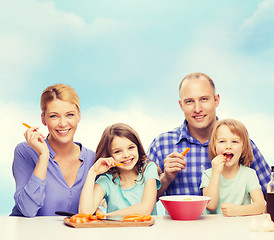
pixel 187 181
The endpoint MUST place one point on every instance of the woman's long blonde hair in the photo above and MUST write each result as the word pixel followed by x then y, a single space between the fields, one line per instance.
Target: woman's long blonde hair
pixel 238 129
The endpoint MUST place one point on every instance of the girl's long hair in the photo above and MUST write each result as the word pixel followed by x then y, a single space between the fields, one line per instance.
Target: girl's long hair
pixel 121 130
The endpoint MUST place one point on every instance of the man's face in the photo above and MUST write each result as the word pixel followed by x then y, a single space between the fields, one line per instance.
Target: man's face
pixel 198 103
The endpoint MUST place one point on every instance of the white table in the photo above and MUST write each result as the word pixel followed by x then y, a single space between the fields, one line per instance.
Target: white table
pixel 207 227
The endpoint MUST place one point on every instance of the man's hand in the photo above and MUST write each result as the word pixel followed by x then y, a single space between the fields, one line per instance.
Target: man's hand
pixel 173 163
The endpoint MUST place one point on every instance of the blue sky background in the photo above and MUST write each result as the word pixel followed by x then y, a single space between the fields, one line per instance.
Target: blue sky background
pixel 126 60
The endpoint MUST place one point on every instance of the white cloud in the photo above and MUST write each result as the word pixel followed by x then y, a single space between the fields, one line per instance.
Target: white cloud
pixel 95 120
pixel 256 34
pixel 33 32
pixel 12 130
pixel 259 125
pixel 262 15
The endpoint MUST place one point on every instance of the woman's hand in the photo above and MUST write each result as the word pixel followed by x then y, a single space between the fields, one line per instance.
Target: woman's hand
pixel 102 165
pixel 36 141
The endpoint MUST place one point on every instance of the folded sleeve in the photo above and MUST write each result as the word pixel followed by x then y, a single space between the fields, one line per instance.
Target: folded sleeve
pixel 151 172
pixel 205 179
pixel 253 182
pixel 261 167
pixel 30 190
pixel 104 181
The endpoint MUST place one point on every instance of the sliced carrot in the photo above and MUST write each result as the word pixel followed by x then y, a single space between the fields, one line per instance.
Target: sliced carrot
pixel 77 219
pixel 100 216
pixel 136 218
pixel 83 217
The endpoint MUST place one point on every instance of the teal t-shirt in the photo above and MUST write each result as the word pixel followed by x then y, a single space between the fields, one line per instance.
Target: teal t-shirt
pixel 236 190
pixel 119 198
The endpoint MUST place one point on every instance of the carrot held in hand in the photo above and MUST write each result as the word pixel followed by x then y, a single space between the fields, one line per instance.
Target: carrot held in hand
pixel 186 151
pixel 28 126
pixel 118 164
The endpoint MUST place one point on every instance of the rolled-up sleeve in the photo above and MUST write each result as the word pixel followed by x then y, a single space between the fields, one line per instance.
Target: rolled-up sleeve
pixel 30 190
pixel 205 179
pixel 261 167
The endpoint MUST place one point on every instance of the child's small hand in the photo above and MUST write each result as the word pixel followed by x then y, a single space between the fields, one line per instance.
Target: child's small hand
pixel 102 165
pixel 218 164
pixel 230 209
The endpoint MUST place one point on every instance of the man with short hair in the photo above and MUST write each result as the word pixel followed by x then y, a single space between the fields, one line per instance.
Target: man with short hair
pixel 182 175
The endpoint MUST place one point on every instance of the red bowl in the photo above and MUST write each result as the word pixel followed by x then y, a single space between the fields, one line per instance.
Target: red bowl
pixel 185 207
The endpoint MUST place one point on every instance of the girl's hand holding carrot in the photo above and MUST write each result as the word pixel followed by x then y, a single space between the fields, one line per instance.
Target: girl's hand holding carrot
pixel 218 164
pixel 102 165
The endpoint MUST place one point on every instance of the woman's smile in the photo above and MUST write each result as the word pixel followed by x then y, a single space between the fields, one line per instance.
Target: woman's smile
pixel 63 132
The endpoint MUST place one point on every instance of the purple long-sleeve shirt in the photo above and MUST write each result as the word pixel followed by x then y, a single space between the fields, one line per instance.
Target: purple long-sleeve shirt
pixel 37 197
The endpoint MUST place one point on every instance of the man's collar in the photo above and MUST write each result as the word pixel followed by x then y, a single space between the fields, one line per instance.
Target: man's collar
pixel 185 134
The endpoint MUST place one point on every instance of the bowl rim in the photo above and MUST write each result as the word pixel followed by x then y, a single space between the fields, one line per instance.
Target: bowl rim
pixel 180 198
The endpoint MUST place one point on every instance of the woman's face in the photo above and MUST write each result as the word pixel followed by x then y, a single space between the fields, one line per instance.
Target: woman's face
pixel 61 118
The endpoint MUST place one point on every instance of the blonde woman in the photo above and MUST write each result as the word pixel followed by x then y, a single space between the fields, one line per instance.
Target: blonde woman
pixel 50 173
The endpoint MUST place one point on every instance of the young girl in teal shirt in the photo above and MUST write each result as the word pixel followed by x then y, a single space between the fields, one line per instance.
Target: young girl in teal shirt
pixel 230 182
pixel 127 180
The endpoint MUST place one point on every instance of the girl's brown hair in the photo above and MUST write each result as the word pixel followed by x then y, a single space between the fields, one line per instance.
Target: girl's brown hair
pixel 120 130
pixel 238 129
pixel 59 91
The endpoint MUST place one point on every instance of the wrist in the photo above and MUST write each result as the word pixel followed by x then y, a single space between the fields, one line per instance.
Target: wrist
pixel 44 156
pixel 91 173
pixel 215 173
pixel 165 178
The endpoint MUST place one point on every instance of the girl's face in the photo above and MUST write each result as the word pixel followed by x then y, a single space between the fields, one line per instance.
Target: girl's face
pixel 124 151
pixel 228 144
pixel 61 118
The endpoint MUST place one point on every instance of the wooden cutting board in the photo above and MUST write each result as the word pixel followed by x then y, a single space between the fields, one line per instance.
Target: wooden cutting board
pixel 106 223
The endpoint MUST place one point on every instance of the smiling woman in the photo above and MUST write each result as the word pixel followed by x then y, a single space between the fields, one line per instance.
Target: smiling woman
pixel 50 173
